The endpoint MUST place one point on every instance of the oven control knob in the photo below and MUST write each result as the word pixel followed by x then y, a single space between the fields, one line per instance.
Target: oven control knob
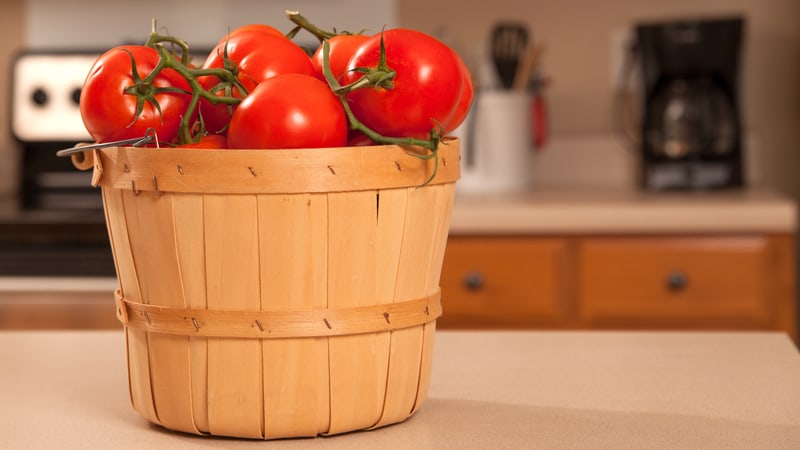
pixel 39 97
pixel 76 96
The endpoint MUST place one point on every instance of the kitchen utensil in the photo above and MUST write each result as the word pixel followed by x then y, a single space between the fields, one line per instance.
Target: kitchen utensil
pixel 509 41
pixel 539 119
pixel 528 66
pixel 528 78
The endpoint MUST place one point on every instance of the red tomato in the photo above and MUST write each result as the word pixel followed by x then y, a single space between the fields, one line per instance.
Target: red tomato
pixel 464 102
pixel 289 111
pixel 342 48
pixel 257 28
pixel 109 114
pixel 428 84
pixel 257 56
pixel 208 141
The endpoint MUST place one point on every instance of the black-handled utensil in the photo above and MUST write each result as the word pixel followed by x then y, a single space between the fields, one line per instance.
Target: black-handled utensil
pixel 509 43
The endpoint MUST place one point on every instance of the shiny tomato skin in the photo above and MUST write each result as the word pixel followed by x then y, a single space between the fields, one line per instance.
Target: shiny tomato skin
pixel 108 113
pixel 257 56
pixel 427 85
pixel 256 28
pixel 341 48
pixel 465 100
pixel 209 141
pixel 289 111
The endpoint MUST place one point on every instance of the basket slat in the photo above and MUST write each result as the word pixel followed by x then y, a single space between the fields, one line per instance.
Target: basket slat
pixel 190 250
pixel 137 353
pixel 392 224
pixel 159 278
pixel 406 344
pixel 234 365
pixel 292 277
pixel 358 363
pixel 444 211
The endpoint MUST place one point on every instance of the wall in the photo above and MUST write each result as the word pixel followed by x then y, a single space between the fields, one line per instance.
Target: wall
pixel 580 60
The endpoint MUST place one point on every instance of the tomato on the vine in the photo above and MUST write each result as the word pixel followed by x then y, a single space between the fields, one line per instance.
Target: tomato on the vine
pixel 256 28
pixel 427 89
pixel 465 101
pixel 110 114
pixel 341 48
pixel 289 111
pixel 215 141
pixel 256 55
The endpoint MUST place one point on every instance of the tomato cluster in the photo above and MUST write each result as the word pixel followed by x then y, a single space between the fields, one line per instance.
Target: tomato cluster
pixel 258 89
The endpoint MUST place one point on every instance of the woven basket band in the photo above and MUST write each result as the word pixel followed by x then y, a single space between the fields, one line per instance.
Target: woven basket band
pixel 345 169
pixel 278 324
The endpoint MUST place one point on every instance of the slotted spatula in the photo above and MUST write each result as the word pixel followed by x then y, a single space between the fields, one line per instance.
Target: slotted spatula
pixel 509 43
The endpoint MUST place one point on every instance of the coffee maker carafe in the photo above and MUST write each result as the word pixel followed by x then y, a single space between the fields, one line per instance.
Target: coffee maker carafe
pixel 691 133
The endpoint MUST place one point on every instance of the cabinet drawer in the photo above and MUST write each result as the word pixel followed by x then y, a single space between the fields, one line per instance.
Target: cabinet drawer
pixel 496 282
pixel 57 310
pixel 713 281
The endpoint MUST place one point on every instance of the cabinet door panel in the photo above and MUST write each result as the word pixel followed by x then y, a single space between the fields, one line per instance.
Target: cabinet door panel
pixel 499 282
pixel 674 280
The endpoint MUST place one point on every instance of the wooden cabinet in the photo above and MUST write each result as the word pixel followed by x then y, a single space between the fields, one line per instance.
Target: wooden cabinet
pixel 505 282
pixel 702 281
pixel 57 303
pixel 64 310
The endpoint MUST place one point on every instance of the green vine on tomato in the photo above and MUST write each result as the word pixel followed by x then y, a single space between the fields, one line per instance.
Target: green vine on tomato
pixel 226 76
pixel 381 76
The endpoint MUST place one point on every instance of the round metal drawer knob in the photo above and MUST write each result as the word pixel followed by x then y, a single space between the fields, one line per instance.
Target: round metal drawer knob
pixel 677 280
pixel 474 281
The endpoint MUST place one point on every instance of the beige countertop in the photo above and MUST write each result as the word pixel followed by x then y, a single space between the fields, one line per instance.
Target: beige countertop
pixel 620 390
pixel 625 211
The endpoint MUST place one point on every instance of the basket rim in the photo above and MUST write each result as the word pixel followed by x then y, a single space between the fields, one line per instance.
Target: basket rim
pixel 283 171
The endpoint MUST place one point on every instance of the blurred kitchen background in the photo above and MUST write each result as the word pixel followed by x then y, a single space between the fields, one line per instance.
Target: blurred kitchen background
pixel 584 44
pixel 581 73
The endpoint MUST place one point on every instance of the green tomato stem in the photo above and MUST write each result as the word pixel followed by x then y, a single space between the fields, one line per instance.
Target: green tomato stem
pixel 432 144
pixel 155 38
pixel 168 60
pixel 304 24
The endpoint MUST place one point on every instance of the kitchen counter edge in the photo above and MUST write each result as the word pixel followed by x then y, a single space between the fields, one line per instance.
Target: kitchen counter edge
pixel 624 211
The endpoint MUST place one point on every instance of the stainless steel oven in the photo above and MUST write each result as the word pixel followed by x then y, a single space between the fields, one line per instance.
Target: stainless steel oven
pixel 58 226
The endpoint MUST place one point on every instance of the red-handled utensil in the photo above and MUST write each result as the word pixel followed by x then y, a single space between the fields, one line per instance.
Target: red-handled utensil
pixel 539 120
pixel 528 78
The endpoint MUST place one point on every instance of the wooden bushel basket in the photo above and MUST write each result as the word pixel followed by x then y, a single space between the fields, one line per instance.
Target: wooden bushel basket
pixel 276 293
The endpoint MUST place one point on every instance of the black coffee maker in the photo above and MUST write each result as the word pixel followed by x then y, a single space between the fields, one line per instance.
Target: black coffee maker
pixel 691 132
